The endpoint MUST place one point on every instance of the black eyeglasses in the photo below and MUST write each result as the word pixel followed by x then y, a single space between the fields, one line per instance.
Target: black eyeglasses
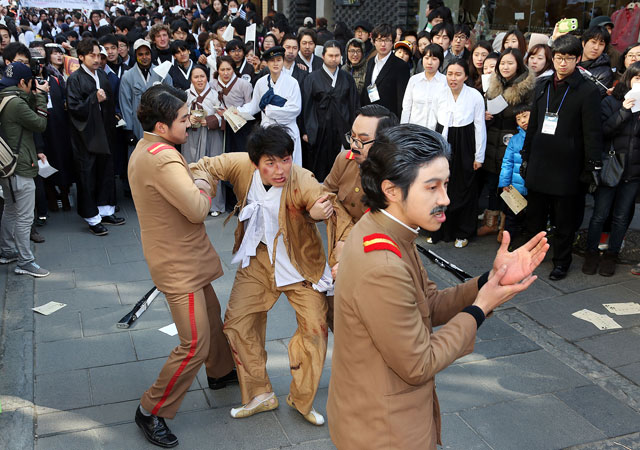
pixel 357 143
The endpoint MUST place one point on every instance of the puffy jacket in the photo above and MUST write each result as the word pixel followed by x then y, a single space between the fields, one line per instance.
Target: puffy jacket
pixel 24 115
pixel 600 68
pixel 503 125
pixel 510 171
pixel 620 128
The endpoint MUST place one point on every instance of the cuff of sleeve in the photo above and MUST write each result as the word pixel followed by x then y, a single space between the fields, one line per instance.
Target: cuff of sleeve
pixel 477 314
pixel 482 280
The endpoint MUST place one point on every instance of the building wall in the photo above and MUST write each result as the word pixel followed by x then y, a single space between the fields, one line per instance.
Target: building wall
pixel 374 11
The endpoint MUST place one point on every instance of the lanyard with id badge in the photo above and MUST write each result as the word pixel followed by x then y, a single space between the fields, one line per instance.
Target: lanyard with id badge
pixel 551 119
pixel 372 90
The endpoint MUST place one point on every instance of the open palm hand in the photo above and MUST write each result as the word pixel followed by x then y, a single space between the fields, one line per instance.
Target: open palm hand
pixel 521 262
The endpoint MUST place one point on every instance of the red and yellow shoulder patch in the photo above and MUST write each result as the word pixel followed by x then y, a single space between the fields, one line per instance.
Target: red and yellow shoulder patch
pixel 379 241
pixel 350 155
pixel 157 148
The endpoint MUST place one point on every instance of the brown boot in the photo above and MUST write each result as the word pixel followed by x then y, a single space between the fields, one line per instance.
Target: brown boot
pixel 591 260
pixel 501 226
pixel 608 264
pixel 490 225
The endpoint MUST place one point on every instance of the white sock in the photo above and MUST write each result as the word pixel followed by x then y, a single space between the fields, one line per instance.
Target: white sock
pixel 144 411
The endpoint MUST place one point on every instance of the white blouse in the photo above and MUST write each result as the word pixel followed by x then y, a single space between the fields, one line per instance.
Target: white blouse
pixel 468 108
pixel 418 105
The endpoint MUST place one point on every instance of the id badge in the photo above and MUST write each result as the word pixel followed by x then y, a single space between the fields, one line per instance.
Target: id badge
pixel 373 93
pixel 550 123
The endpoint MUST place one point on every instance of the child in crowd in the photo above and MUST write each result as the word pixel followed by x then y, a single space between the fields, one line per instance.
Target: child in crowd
pixel 510 175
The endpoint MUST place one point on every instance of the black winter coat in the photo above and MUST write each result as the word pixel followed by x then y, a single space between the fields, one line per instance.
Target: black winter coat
pixel 601 70
pixel 503 125
pixel 558 164
pixel 620 129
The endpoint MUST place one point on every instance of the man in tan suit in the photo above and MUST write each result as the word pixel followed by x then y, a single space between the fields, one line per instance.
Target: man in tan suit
pixel 279 250
pixel 181 259
pixel 386 354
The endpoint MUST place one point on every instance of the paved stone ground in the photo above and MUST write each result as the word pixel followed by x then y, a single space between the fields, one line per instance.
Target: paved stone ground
pixel 539 378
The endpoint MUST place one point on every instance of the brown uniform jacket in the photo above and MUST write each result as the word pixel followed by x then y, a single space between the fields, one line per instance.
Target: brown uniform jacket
pixel 299 232
pixel 386 354
pixel 171 211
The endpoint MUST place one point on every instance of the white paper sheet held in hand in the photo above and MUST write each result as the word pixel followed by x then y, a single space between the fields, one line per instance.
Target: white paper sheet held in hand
pixel 228 33
pixel 601 321
pixel 163 69
pixel 635 94
pixel 623 309
pixel 485 81
pixel 250 34
pixel 171 329
pixel 497 105
pixel 45 170
pixel 49 308
pixel 514 199
pixel 212 60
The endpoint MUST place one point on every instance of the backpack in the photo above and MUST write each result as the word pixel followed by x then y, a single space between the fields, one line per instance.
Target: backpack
pixel 8 157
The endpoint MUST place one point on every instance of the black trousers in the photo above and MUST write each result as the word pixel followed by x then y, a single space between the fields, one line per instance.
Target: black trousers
pixel 94 178
pixel 567 211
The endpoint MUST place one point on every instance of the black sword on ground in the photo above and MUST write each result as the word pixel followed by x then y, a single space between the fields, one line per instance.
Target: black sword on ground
pixel 138 309
pixel 446 265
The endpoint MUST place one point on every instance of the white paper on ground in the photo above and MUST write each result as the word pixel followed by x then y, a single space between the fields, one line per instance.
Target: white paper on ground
pixel 485 81
pixel 228 33
pixel 171 329
pixel 250 34
pixel 601 321
pixel 497 105
pixel 163 69
pixel 45 170
pixel 49 308
pixel 623 309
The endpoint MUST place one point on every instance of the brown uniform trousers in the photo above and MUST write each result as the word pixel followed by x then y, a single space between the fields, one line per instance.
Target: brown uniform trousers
pixel 253 294
pixel 182 263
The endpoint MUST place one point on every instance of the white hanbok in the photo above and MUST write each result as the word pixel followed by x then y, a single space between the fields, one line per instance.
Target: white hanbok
pixel 286 87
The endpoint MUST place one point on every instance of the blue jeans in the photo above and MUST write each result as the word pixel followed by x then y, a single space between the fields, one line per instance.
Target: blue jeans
pixel 621 198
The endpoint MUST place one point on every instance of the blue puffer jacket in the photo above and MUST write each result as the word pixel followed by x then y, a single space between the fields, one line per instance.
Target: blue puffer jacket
pixel 510 171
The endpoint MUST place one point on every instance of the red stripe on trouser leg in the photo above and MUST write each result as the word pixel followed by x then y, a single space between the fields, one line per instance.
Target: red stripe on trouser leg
pixel 192 351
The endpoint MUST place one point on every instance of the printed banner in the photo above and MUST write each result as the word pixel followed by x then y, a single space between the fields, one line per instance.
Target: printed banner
pixel 71 64
pixel 64 4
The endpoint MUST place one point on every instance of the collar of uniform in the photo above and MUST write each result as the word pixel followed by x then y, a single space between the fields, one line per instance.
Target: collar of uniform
pixel 393 227
pixel 151 137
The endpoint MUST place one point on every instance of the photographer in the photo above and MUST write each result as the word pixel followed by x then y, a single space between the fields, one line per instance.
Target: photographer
pixel 24 115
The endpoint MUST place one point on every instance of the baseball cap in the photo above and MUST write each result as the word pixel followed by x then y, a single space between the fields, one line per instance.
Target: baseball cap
pixel 141 43
pixel 15 72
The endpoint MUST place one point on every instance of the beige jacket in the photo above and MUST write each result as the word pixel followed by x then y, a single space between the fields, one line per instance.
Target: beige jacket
pixel 386 354
pixel 171 211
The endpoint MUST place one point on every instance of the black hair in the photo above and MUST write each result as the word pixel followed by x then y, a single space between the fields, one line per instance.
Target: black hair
pixel 442 12
pixel 235 44
pixel 286 37
pixel 273 140
pixel 397 155
pixel 177 46
pixel 15 48
pixel 180 24
pixel 624 85
pixel 331 44
pixel 460 62
pixel 434 50
pixel 109 39
pixel 341 32
pixel 383 30
pixel 567 44
pixel 125 23
pixel 73 34
pixel 122 38
pixel 95 11
pixel 219 24
pixel 521 66
pixel 201 67
pixel 522 42
pixel 160 103
pixel 85 46
pixel 462 29
pixel 387 119
pixel 521 108
pixel 282 24
pixel 446 26
pixel 309 33
pixel 599 33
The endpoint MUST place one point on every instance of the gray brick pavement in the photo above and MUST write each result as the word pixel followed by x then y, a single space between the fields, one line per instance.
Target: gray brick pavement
pixel 538 379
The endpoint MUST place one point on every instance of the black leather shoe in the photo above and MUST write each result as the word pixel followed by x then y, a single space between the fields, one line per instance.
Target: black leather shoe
pixel 36 237
pixel 99 229
pixel 156 430
pixel 219 383
pixel 558 273
pixel 113 220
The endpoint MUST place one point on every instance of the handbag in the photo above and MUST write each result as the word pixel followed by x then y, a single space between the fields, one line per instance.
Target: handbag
pixel 612 168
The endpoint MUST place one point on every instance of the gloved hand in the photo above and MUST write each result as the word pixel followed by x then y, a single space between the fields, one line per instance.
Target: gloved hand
pixel 591 172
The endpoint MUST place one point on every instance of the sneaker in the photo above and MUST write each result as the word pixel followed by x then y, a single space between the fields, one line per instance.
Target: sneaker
pixel 461 243
pixel 214 213
pixel 429 240
pixel 6 258
pixel 32 269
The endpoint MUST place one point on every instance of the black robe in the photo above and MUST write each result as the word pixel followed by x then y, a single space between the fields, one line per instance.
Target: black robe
pixel 56 136
pixel 92 129
pixel 328 115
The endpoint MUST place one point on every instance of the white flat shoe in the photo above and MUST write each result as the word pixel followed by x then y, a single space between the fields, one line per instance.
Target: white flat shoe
pixel 461 243
pixel 268 404
pixel 313 417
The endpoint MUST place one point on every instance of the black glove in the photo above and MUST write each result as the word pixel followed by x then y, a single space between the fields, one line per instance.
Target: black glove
pixel 523 170
pixel 591 173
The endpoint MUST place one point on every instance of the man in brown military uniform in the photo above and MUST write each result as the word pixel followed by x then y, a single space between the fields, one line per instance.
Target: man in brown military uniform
pixel 386 354
pixel 181 259
pixel 344 178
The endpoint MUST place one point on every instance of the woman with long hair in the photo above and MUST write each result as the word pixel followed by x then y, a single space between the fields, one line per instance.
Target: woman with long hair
pixel 514 82
pixel 479 53
pixel 621 131
pixel 514 39
pixel 539 60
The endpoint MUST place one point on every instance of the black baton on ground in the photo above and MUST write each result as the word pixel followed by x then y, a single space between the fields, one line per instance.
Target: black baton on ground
pixel 138 309
pixel 446 265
